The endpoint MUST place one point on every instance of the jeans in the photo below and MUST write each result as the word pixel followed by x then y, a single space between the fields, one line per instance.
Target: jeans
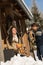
pixel 40 52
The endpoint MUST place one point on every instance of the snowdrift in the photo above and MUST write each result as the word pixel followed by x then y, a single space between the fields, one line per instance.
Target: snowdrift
pixel 18 60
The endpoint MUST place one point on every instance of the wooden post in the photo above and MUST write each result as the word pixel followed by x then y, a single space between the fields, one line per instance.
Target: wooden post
pixel 1 49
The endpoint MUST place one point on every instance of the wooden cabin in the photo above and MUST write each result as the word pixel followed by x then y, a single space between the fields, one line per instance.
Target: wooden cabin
pixel 12 10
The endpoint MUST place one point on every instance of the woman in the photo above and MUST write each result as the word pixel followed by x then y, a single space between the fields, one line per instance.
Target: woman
pixel 12 42
pixel 13 37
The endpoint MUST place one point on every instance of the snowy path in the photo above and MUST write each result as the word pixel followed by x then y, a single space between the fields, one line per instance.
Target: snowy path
pixel 18 60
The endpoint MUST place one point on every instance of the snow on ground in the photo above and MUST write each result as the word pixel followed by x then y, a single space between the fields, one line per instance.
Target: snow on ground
pixel 18 60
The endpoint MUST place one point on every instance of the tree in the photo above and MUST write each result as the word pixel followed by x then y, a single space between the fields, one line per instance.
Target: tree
pixel 35 12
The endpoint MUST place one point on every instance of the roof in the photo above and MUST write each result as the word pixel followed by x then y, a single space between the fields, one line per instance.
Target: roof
pixel 25 8
pixel 22 9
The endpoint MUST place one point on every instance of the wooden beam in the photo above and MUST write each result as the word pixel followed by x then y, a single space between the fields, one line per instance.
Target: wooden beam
pixel 4 4
pixel 1 49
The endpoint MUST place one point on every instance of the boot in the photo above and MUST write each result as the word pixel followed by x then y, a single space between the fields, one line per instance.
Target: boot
pixel 42 59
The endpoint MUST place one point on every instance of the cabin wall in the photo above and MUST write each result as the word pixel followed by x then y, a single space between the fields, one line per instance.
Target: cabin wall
pixel 7 20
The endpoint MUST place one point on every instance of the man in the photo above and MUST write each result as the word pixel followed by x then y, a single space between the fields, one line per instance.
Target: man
pixel 31 38
pixel 39 40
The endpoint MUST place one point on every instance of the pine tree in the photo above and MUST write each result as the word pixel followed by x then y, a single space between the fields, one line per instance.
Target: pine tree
pixel 35 12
